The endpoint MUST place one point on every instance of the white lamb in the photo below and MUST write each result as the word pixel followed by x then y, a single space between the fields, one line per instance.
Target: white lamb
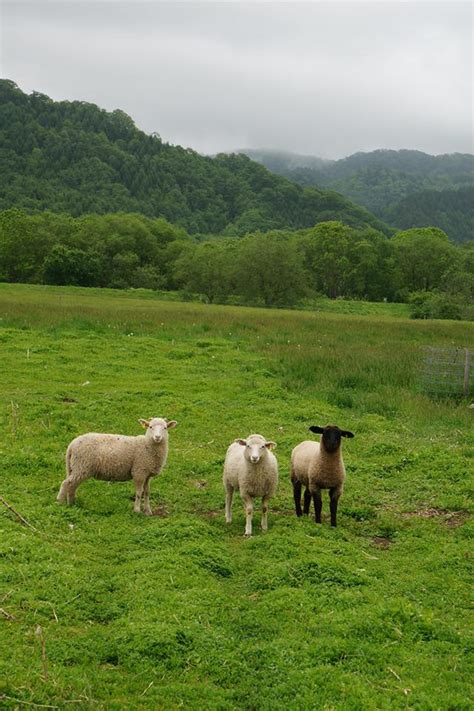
pixel 113 457
pixel 251 468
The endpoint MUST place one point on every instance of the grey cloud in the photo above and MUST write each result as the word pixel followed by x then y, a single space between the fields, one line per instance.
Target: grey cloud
pixel 321 78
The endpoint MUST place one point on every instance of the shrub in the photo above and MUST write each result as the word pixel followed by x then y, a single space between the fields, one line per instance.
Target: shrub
pixel 427 304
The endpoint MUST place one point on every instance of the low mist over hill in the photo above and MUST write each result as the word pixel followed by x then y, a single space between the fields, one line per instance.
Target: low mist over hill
pixel 76 158
pixel 383 180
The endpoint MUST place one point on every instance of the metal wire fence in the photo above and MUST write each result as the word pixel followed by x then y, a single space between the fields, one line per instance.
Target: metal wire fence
pixel 447 371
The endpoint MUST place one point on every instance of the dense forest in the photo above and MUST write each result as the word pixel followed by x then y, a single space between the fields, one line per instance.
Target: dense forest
pixel 76 158
pixel 404 188
pixel 450 210
pixel 276 268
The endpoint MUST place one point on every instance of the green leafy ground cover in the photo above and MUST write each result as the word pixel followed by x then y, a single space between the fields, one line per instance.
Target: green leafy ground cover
pixel 102 608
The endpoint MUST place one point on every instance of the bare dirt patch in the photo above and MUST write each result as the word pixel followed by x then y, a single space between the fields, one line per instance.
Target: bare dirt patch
pixel 285 512
pixel 456 518
pixel 200 484
pixel 211 514
pixel 161 511
pixel 453 519
pixel 381 542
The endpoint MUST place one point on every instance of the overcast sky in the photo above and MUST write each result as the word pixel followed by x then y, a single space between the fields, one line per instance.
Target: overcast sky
pixel 322 78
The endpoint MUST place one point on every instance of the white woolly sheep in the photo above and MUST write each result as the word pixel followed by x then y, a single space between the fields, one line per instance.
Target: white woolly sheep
pixel 113 457
pixel 316 466
pixel 251 468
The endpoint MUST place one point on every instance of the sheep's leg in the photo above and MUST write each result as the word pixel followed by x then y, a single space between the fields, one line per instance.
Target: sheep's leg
pixel 265 513
pixel 139 487
pixel 229 493
pixel 248 503
pixel 307 501
pixel 334 495
pixel 146 498
pixel 71 490
pixel 62 495
pixel 67 492
pixel 297 497
pixel 318 505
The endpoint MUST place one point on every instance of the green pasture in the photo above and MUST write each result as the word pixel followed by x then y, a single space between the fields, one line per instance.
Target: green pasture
pixel 101 608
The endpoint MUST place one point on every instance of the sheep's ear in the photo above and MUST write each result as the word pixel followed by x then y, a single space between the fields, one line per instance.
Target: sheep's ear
pixel 317 429
pixel 270 445
pixel 144 423
pixel 171 424
pixel 346 433
pixel 243 442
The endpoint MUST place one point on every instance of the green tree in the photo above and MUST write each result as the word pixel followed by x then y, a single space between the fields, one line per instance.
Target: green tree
pixel 423 256
pixel 67 265
pixel 147 277
pixel 124 266
pixel 206 269
pixel 269 267
pixel 326 251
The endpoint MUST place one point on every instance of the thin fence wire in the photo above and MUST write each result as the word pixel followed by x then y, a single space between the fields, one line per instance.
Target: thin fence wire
pixel 447 371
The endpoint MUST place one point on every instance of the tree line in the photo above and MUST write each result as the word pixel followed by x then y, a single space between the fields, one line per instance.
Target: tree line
pixel 273 268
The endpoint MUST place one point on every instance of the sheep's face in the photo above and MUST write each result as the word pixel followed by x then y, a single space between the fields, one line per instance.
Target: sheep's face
pixel 331 436
pixel 157 428
pixel 255 447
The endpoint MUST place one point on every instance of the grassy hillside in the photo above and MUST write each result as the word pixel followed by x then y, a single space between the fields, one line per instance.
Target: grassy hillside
pixel 76 158
pixel 101 608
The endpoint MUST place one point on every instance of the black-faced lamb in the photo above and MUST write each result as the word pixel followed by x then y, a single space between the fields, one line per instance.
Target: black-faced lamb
pixel 317 466
pixel 252 469
pixel 115 457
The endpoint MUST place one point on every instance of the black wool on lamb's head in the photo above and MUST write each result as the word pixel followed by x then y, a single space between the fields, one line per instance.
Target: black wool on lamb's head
pixel 331 436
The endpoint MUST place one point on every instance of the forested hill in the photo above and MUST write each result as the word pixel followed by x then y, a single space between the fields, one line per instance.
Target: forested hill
pixel 383 180
pixel 76 158
pixel 450 210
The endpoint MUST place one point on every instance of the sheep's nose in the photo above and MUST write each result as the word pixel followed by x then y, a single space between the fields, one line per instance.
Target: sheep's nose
pixel 254 459
pixel 157 438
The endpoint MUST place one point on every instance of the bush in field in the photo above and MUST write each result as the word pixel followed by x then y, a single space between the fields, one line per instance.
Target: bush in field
pixel 427 304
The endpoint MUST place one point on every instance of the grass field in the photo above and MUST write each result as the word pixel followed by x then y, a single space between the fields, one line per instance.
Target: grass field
pixel 102 608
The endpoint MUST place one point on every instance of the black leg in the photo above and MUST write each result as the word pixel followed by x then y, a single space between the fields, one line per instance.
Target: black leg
pixel 318 505
pixel 307 501
pixel 333 499
pixel 297 496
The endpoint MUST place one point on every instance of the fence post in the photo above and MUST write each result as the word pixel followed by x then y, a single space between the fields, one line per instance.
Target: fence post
pixel 467 370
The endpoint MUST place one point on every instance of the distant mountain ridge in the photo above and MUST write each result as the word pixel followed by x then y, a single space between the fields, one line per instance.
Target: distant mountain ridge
pixel 76 158
pixel 384 180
